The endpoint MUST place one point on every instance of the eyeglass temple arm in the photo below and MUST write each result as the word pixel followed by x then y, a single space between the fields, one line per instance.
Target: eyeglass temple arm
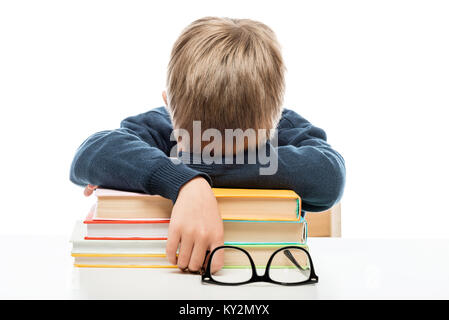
pixel 203 266
pixel 289 255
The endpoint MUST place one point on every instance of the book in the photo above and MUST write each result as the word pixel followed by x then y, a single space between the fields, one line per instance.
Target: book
pixel 116 253
pixel 121 261
pixel 235 231
pixel 232 259
pixel 152 229
pixel 258 231
pixel 326 223
pixel 128 246
pixel 129 230
pixel 233 204
pixel 259 253
pixel 151 253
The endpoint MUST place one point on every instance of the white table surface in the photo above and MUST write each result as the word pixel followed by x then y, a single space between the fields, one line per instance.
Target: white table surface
pixel 41 268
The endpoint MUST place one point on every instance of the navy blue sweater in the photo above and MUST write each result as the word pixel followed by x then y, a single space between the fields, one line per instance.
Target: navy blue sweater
pixel 136 158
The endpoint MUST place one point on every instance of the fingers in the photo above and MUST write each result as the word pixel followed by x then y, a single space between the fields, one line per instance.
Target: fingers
pixel 192 250
pixel 198 254
pixel 89 190
pixel 185 251
pixel 218 259
pixel 174 236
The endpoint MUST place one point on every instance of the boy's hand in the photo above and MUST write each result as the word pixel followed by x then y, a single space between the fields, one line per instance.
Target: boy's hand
pixel 89 189
pixel 195 226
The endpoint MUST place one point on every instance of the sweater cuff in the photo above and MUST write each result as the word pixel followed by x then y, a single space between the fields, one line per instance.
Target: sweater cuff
pixel 170 177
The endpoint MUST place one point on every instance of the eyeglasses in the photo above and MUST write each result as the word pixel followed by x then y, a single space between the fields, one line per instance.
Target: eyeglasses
pixel 289 266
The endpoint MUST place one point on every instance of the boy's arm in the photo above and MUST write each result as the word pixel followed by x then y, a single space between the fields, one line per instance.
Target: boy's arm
pixel 306 164
pixel 133 158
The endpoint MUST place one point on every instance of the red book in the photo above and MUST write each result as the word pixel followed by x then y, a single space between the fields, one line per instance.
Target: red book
pixel 149 229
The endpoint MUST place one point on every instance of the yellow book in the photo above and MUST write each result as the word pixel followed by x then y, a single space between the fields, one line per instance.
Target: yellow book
pixel 260 253
pixel 91 260
pixel 233 204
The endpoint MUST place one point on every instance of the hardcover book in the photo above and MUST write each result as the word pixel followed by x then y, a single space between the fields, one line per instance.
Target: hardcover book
pixel 151 253
pixel 233 204
pixel 235 231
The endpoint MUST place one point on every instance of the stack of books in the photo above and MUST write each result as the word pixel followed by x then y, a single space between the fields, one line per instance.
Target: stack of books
pixel 129 230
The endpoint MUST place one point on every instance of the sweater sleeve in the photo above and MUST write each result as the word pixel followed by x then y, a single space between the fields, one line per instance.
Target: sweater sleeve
pixel 133 158
pixel 308 164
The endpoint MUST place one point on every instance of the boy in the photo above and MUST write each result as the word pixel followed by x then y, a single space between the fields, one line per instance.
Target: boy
pixel 227 74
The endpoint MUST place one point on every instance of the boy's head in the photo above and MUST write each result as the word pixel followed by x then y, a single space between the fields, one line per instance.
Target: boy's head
pixel 226 73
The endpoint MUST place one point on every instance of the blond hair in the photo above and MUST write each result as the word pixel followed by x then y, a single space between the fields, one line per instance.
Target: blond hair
pixel 226 73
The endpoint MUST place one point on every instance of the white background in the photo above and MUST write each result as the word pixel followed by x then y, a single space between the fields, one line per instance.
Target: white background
pixel 373 74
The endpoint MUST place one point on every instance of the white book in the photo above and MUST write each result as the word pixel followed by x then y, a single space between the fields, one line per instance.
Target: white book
pixel 80 245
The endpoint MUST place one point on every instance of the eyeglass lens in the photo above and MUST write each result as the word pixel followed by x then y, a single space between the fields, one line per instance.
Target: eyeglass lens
pixel 290 266
pixel 237 267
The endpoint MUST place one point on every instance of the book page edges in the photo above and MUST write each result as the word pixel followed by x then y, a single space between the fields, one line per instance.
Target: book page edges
pixel 121 255
pixel 122 266
pixel 218 192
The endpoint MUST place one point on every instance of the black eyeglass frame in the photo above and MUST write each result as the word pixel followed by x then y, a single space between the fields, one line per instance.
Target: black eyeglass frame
pixel 206 275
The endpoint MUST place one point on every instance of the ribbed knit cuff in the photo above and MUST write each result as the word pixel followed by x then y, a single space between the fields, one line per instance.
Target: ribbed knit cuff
pixel 170 177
